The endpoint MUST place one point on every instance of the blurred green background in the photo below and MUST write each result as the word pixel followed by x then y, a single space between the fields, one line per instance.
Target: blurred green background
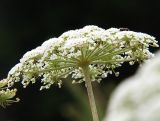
pixel 25 24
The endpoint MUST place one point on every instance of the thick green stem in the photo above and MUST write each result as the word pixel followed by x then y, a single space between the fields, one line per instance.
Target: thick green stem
pixel 90 94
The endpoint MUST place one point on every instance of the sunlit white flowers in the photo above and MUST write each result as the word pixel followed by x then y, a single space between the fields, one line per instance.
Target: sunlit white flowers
pixel 138 98
pixel 97 49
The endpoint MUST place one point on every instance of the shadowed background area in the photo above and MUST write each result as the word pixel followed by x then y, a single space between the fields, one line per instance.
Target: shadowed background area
pixel 26 24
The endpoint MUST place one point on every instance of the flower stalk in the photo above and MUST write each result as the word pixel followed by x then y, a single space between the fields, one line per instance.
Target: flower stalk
pixel 92 102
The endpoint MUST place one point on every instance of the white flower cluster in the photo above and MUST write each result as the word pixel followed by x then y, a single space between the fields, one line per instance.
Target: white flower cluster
pixel 6 94
pixel 99 49
pixel 138 98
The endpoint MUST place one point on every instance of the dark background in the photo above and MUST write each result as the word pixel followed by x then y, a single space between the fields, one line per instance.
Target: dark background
pixel 25 24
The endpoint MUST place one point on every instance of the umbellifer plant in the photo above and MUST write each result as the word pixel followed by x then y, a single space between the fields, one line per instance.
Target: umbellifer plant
pixel 87 54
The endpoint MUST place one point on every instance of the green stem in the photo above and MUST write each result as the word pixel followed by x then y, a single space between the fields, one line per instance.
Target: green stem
pixel 113 61
pixel 90 94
